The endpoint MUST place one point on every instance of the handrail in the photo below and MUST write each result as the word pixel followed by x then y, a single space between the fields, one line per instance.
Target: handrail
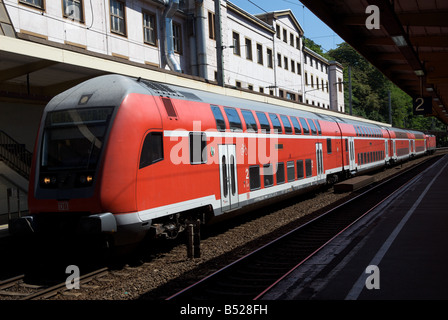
pixel 15 155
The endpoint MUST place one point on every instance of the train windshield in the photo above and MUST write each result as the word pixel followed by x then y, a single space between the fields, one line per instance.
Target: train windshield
pixel 73 139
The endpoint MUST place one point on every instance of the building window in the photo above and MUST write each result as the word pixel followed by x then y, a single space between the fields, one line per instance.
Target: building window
pixel 285 36
pixel 269 54
pixel 306 78
pixel 293 66
pixel 236 44
pixel 35 3
pixel 248 49
pixel 177 38
pixel 286 63
pixel 117 17
pixel 149 28
pixel 340 84
pixel 291 39
pixel 211 25
pixel 278 31
pixel 279 60
pixel 259 53
pixel 73 10
pixel 298 43
pixel 299 68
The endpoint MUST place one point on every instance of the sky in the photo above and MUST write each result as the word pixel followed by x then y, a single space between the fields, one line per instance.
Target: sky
pixel 313 27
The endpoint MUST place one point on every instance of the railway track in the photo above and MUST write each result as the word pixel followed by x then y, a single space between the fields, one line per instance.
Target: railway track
pixel 251 276
pixel 17 288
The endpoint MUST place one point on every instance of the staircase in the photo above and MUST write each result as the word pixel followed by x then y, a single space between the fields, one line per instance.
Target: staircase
pixel 15 155
pixel 15 167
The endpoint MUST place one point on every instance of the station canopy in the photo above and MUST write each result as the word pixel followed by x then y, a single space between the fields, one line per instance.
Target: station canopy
pixel 410 46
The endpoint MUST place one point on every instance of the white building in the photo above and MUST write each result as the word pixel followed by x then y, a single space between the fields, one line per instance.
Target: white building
pixel 263 53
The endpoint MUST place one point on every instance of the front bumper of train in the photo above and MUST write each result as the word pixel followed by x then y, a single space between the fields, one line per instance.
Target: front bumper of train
pixel 103 223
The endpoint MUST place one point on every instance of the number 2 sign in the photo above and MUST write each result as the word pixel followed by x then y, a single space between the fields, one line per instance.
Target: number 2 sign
pixel 422 106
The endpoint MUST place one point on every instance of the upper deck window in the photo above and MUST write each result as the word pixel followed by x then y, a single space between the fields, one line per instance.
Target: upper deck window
pixel 296 125
pixel 251 124
pixel 264 123
pixel 286 124
pixel 306 129
pixel 219 118
pixel 276 123
pixel 234 119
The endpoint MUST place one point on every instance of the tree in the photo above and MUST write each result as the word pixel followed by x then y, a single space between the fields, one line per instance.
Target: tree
pixel 370 89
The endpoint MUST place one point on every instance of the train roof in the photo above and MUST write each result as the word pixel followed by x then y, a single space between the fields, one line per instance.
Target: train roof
pixel 112 89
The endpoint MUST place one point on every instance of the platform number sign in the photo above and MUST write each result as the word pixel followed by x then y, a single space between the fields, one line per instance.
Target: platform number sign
pixel 422 106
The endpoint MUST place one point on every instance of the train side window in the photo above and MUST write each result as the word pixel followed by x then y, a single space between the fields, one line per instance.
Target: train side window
pixel 152 150
pixel 291 171
pixel 219 118
pixel 254 177
pixel 308 167
pixel 268 175
pixel 234 119
pixel 251 124
pixel 313 127
pixel 264 123
pixel 280 172
pixel 306 130
pixel 319 130
pixel 286 124
pixel 296 125
pixel 329 149
pixel 276 123
pixel 299 169
pixel 198 147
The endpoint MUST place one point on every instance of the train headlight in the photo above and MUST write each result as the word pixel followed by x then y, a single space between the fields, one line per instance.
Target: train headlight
pixel 84 180
pixel 49 181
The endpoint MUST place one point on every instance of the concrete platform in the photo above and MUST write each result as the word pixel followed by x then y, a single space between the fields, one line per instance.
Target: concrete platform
pixel 399 251
pixel 353 184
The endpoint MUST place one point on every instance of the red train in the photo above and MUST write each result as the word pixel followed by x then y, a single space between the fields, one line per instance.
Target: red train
pixel 126 157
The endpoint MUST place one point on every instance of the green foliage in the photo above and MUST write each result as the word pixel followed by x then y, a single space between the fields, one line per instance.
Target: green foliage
pixel 370 90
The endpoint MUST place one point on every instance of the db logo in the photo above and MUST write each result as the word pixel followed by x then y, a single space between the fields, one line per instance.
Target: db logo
pixel 63 206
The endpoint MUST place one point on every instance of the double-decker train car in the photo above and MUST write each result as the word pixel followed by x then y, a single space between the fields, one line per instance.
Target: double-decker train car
pixel 128 157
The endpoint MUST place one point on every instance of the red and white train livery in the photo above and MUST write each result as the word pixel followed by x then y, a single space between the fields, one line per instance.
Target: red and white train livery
pixel 123 157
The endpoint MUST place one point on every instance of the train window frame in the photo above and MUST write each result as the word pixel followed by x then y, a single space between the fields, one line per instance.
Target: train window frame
pixel 308 168
pixel 147 158
pixel 286 124
pixel 268 174
pixel 300 166
pixel 319 130
pixel 254 178
pixel 276 124
pixel 218 120
pixel 248 116
pixel 297 129
pixel 265 126
pixel 312 127
pixel 194 159
pixel 329 146
pixel 280 174
pixel 305 127
pixel 232 115
pixel 290 171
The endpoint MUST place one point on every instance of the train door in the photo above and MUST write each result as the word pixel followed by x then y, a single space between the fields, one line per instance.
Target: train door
pixel 228 177
pixel 386 148
pixel 351 145
pixel 320 161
